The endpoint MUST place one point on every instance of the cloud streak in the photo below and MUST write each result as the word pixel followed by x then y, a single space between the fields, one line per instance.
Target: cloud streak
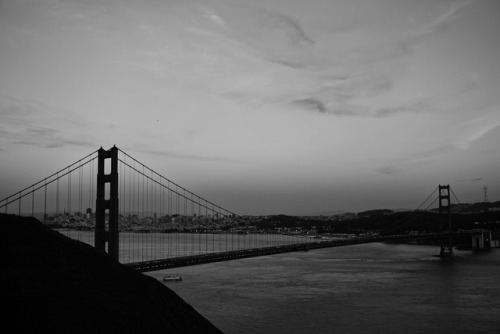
pixel 36 124
pixel 452 12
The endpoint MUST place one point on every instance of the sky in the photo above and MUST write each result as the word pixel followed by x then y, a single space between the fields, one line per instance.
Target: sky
pixel 263 106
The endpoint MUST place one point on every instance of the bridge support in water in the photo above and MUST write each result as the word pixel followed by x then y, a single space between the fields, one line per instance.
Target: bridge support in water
pixel 107 184
pixel 445 219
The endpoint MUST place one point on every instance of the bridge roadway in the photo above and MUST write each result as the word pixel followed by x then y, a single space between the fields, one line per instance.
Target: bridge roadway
pixel 255 252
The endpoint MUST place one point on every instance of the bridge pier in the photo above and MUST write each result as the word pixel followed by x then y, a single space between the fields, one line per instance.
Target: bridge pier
pixel 445 216
pixel 107 207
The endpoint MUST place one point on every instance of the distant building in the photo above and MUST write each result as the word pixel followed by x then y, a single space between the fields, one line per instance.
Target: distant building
pixel 482 239
pixel 88 213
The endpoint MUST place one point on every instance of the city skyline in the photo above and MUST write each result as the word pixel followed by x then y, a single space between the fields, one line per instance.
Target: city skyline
pixel 267 107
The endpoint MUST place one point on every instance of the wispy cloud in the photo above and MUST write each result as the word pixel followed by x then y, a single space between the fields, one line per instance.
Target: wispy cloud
pixel 36 124
pixel 183 156
pixel 477 179
pixel 312 104
pixel 411 161
pixel 451 12
pixel 419 106
pixel 388 170
pixel 294 67
pixel 475 134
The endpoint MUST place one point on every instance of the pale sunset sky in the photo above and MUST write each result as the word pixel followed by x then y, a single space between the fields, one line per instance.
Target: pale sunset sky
pixel 262 106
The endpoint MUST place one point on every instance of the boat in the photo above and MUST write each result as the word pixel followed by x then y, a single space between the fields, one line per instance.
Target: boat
pixel 170 278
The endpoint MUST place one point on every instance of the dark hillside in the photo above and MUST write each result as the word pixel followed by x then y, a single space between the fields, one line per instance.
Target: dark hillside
pixel 52 284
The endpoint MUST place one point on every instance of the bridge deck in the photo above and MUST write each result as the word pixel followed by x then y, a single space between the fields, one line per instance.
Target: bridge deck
pixel 255 252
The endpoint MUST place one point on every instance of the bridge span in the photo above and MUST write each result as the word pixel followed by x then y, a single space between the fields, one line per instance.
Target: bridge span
pixel 123 205
pixel 184 261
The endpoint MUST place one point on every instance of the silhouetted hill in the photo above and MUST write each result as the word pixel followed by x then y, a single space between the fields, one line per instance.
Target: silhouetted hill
pixel 52 284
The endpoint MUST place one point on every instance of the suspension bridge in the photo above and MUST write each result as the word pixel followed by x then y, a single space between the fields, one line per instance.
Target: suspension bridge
pixel 117 204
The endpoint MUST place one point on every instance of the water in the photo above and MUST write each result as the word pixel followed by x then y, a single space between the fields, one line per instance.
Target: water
pixel 378 288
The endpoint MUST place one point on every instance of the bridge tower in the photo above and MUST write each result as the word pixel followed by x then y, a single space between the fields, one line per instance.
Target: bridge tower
pixel 445 216
pixel 107 206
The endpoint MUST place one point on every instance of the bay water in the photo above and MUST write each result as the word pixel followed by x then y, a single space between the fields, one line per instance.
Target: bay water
pixel 370 288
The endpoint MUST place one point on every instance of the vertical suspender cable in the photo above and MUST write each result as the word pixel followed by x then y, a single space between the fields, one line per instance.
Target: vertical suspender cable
pixel 130 191
pixel 192 225
pixel 164 214
pixel 80 216
pixel 90 185
pixel 33 202
pixel 160 225
pixel 134 208
pixel 199 226
pixel 122 208
pixel 213 233
pixel 177 220
pixel 80 183
pixel 186 221
pixel 155 217
pixel 57 198
pixel 142 192
pixel 169 210
pixel 92 180
pixel 69 194
pixel 146 236
pixel 45 203
pixel 149 215
pixel 142 209
pixel 122 200
pixel 226 229
pixel 206 228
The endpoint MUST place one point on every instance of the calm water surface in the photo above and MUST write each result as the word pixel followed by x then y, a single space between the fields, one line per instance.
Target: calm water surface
pixel 377 288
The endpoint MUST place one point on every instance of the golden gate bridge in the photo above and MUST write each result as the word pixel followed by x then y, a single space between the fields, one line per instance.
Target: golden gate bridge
pixel 117 204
